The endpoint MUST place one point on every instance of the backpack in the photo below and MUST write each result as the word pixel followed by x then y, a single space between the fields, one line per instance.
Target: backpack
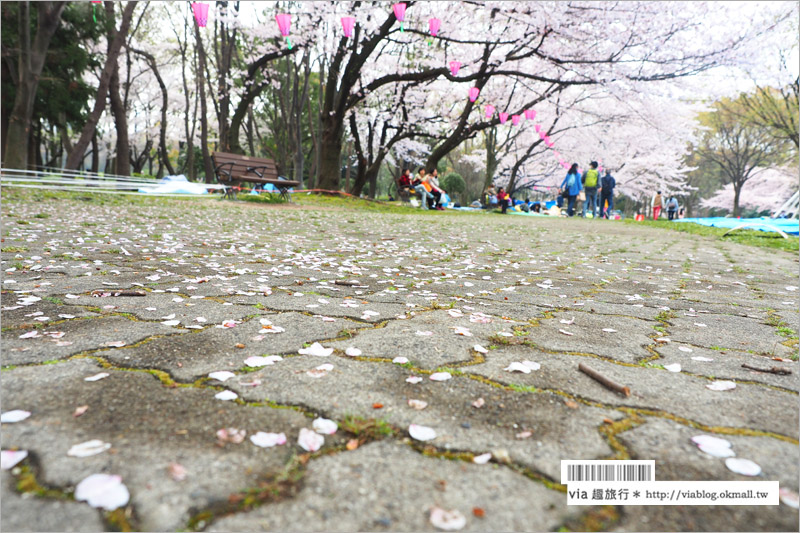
pixel 590 178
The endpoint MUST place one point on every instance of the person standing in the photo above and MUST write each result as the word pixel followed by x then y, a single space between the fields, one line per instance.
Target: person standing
pixel 589 181
pixel 657 203
pixel 672 208
pixel 502 199
pixel 607 184
pixel 571 187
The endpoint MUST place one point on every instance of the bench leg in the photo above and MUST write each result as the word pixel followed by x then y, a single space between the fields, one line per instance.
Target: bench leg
pixel 286 195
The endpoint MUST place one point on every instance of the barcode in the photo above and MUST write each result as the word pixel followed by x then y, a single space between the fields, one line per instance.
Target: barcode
pixel 576 471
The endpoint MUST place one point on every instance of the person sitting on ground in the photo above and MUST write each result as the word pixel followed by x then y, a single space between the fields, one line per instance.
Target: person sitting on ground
pixel 502 199
pixel 489 197
pixel 436 190
pixel 536 207
pixel 419 186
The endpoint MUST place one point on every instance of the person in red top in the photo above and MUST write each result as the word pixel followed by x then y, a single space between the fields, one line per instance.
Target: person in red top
pixel 405 179
pixel 502 199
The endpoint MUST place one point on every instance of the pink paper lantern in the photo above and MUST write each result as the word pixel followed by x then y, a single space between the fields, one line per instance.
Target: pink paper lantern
pixel 348 24
pixel 530 114
pixel 489 111
pixel 200 11
pixel 515 119
pixel 454 66
pixel 400 13
pixel 503 118
pixel 473 94
pixel 434 25
pixel 285 25
pixel 542 135
pixel 538 128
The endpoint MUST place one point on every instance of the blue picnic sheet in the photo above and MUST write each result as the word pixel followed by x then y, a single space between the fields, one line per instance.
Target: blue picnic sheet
pixel 786 225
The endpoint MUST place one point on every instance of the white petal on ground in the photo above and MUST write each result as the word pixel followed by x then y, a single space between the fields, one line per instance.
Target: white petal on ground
pixel 268 440
pixel 226 395
pixel 532 365
pixel 788 497
pixel 440 376
pixel 176 471
pixel 96 377
pixel 447 520
pixel 171 322
pixel 482 459
pixel 566 332
pixel 417 404
pixel 413 379
pixel 234 435
pixel 745 467
pixel 675 367
pixel 507 334
pixel 352 352
pixel 316 349
pixel 400 360
pixel 480 349
pixel 421 432
pixel 459 330
pixel 324 426
pixel 310 441
pixel 568 322
pixel 609 330
pixel 115 344
pixel 88 448
pixel 424 333
pixel 17 415
pixel 721 385
pixel 701 359
pixel 517 367
pixel 477 404
pixel 685 349
pixel 29 335
pixel 256 361
pixel 11 458
pixel 714 446
pixel 222 375
pixel 103 490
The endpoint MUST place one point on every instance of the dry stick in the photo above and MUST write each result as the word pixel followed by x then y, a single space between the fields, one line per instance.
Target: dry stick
pixel 345 282
pixel 616 387
pixel 119 293
pixel 781 371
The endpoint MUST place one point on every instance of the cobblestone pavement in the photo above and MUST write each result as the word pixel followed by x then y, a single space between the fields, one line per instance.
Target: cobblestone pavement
pixel 389 298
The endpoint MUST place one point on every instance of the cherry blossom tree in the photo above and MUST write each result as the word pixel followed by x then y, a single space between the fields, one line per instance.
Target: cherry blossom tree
pixel 767 190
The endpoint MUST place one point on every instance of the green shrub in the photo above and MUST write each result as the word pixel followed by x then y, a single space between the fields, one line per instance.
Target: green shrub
pixel 453 183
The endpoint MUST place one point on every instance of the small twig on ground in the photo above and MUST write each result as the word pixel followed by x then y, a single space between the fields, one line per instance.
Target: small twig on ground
pixel 781 371
pixel 119 293
pixel 611 385
pixel 345 282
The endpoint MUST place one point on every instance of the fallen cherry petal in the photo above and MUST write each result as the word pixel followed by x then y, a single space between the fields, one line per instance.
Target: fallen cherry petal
pixel 480 349
pixel 268 440
pixel 524 434
pixel 568 322
pixel 226 395
pixel 17 415
pixel 721 385
pixel 324 426
pixel 440 376
pixel 518 367
pixel 424 333
pixel 413 379
pixel 171 322
pixel 685 349
pixel 745 467
pixel 11 458
pixel 316 349
pixel 676 367
pixel 97 377
pixel 88 448
pixel 256 361
pixel 80 410
pixel 482 459
pixel 352 444
pixel 176 471
pixel 115 344
pixel 352 352
pixel 532 365
pixel 29 335
pixel 422 433
pixel 310 441
pixel 447 520
pixel 788 497
pixel 103 490
pixel 477 404
pixel 417 404
pixel 609 330
pixel 221 375
pixel 400 360
pixel 234 435
pixel 566 332
pixel 701 359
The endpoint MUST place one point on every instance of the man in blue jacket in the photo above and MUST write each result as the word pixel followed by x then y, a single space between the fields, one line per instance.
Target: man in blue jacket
pixel 571 186
pixel 607 184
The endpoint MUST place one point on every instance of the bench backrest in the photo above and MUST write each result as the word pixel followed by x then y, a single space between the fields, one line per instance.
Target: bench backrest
pixel 239 167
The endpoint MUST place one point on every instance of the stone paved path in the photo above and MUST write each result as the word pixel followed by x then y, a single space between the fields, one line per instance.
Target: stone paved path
pixel 227 282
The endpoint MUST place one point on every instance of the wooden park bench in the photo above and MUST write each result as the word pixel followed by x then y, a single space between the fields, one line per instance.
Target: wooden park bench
pixel 233 169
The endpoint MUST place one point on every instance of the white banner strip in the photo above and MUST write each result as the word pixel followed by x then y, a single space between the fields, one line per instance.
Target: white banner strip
pixel 674 493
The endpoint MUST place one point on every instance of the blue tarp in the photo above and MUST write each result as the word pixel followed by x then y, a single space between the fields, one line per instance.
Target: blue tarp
pixel 786 225
pixel 175 185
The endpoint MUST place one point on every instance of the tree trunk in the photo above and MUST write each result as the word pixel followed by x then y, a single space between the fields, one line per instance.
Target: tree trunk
pixel 30 64
pixel 201 82
pixel 330 154
pixel 162 137
pixel 95 154
pixel 123 166
pixel 76 156
pixel 737 191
